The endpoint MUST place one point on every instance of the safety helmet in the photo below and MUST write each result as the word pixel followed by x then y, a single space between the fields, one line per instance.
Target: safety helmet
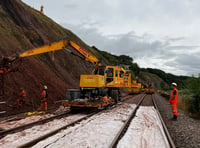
pixel 174 84
pixel 45 87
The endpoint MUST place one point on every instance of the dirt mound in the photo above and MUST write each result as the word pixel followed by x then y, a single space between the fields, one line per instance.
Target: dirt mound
pixel 23 28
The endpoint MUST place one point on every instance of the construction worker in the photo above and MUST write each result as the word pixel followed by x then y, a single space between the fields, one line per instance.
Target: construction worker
pixel 21 100
pixel 173 100
pixel 44 98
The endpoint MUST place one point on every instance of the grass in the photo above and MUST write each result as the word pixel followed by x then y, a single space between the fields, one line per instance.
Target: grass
pixel 183 99
pixel 186 102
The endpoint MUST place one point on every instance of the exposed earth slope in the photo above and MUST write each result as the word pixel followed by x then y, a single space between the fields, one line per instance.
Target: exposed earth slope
pixel 23 28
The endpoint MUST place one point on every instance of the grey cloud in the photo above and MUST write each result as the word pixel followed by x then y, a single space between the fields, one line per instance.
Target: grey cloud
pixel 160 33
pixel 189 60
pixel 70 6
pixel 136 47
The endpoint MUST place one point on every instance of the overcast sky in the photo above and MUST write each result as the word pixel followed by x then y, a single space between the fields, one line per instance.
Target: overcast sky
pixel 161 34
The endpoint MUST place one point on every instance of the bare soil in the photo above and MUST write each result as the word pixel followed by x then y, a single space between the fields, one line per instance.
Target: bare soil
pixel 23 28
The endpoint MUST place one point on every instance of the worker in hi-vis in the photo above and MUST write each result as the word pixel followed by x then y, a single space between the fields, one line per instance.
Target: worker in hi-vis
pixel 173 100
pixel 44 99
pixel 21 100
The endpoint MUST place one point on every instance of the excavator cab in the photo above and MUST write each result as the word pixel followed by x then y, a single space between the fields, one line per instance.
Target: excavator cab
pixel 100 70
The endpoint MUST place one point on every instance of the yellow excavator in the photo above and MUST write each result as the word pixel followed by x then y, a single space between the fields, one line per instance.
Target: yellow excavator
pixel 96 90
pixel 99 89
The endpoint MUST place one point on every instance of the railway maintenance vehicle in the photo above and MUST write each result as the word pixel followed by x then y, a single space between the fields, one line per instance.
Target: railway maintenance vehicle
pixel 102 88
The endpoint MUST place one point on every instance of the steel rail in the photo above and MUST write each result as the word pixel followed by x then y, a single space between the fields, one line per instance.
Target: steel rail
pixel 23 127
pixel 124 128
pixel 171 143
pixel 35 141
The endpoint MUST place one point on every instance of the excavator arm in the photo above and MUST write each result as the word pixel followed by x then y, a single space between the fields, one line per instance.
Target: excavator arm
pixel 88 56
pixel 6 62
pixel 44 49
pixel 60 45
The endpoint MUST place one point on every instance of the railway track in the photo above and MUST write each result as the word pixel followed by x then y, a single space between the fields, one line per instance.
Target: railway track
pixel 32 141
pixel 49 134
pixel 126 125
pixel 26 126
pixel 119 135
pixel 39 122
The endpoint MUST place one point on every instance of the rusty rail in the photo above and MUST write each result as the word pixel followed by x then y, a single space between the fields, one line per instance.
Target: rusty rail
pixel 23 127
pixel 171 143
pixel 124 128
pixel 35 141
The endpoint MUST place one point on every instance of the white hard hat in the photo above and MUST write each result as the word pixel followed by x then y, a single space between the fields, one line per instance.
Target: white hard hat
pixel 45 87
pixel 174 84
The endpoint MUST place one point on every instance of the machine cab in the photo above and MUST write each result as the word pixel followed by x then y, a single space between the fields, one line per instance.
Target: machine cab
pixel 114 76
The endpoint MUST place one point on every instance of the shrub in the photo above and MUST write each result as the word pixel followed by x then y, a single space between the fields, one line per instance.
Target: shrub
pixel 194 103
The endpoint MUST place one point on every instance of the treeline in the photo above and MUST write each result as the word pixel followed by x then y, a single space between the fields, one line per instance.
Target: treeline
pixel 194 88
pixel 168 78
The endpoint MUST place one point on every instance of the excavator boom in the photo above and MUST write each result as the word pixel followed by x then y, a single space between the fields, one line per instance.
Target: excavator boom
pixel 46 48
pixel 6 62
pixel 88 56
pixel 59 46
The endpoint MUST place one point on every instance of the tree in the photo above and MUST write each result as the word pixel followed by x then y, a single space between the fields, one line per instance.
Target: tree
pixel 193 85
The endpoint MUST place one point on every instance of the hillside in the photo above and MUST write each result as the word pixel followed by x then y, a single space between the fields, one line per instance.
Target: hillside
pixel 23 28
pixel 155 80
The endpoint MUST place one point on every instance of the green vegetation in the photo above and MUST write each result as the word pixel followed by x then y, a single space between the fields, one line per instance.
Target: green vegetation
pixel 168 78
pixel 189 99
pixel 194 87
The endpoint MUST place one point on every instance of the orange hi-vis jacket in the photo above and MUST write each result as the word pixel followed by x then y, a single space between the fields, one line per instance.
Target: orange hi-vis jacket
pixel 23 94
pixel 44 95
pixel 44 100
pixel 174 96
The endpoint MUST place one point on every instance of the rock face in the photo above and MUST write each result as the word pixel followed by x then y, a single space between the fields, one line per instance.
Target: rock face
pixel 23 28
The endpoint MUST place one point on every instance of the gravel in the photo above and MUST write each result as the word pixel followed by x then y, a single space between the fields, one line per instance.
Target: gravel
pixel 185 132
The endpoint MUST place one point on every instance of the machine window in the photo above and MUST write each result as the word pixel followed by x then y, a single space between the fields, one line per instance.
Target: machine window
pixel 109 72
pixel 116 73
pixel 121 74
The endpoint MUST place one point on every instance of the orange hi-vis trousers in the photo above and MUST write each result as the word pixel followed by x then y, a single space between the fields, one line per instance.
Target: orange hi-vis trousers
pixel 44 103
pixel 19 102
pixel 174 106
